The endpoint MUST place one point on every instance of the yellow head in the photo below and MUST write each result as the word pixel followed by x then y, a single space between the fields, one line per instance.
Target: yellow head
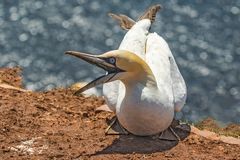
pixel 120 65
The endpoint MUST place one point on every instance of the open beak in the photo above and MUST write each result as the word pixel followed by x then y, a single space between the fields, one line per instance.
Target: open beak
pixel 112 70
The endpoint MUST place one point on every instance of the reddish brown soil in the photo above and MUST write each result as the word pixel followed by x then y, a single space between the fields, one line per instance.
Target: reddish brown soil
pixel 58 125
pixel 230 130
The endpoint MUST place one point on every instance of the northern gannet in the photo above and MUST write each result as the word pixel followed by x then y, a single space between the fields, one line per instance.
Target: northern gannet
pixel 147 86
pixel 135 42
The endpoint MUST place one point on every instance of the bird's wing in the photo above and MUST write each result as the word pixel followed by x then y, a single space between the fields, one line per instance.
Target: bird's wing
pixel 162 63
pixel 179 86
pixel 150 13
pixel 124 21
pixel 110 93
pixel 157 57
pixel 134 41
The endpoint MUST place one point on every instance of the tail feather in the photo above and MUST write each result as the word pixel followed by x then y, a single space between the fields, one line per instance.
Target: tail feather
pixel 150 13
pixel 126 22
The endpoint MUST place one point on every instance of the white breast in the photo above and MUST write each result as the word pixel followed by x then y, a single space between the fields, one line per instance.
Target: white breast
pixel 142 111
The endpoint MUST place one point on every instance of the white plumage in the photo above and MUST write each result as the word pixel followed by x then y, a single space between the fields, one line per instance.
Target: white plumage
pixel 134 41
pixel 147 110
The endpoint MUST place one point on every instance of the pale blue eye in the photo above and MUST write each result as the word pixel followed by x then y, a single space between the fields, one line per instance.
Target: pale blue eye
pixel 112 60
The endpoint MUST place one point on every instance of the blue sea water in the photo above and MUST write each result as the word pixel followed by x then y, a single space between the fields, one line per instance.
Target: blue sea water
pixel 204 37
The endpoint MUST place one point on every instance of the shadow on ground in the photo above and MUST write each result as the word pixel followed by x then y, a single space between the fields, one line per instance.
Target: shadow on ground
pixel 136 144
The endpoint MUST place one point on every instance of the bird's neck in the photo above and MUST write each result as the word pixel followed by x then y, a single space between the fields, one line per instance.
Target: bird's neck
pixel 139 92
pixel 142 92
pixel 144 79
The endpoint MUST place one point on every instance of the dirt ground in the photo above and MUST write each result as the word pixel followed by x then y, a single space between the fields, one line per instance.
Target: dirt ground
pixel 57 125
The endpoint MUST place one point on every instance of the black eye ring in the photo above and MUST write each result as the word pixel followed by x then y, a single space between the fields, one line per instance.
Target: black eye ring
pixel 112 60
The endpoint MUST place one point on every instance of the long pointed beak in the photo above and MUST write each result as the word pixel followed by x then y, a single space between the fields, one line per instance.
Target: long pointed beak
pixel 93 59
pixel 112 70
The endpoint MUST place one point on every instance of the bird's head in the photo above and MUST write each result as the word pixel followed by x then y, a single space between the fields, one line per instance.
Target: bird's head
pixel 119 64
